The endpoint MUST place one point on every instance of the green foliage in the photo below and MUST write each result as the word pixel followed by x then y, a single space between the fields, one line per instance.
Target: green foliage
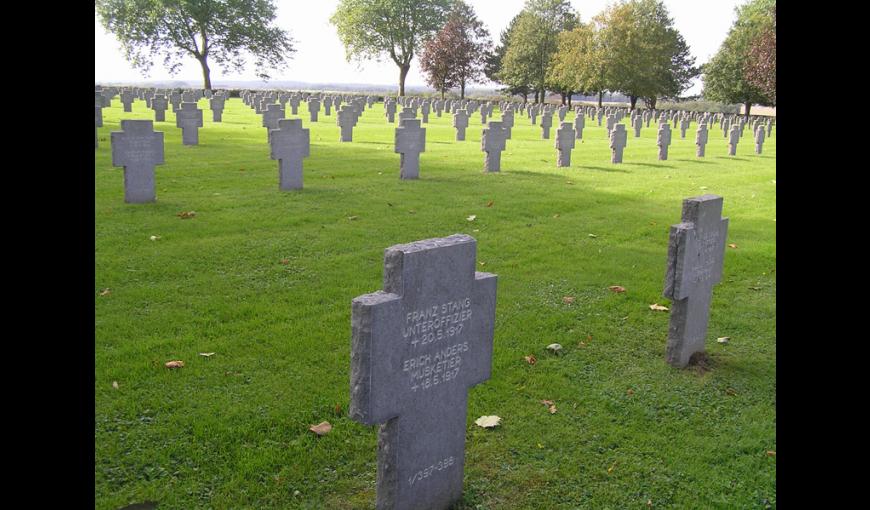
pixel 725 76
pixel 646 55
pixel 533 41
pixel 221 31
pixel 371 29
pixel 760 69
pixel 579 64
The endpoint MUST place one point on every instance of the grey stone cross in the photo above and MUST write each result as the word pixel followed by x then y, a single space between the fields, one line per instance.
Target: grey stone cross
pixel 460 122
pixel 390 111
pixel 618 140
pixel 410 142
pixel 564 143
pixel 696 249
pixel 663 140
pixel 507 122
pixel 327 104
pixel 701 139
pixel 417 347
pixel 546 123
pixel 684 125
pixel 492 142
pixel 127 100
pixel 216 103
pixel 294 104
pixel 579 124
pixel 189 119
pixel 289 143
pixel 137 148
pixel 759 139
pixel 159 104
pixel 734 138
pixel 638 124
pixel 346 119
pixel 313 108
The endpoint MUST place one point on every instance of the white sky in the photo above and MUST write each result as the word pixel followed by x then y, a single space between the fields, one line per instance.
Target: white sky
pixel 320 57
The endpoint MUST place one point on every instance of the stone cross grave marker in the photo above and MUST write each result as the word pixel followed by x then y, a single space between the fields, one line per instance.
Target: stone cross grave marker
pixel 759 139
pixel 289 143
pixel 346 119
pixel 390 111
pixel 618 141
pixel 138 149
pixel 701 139
pixel 684 125
pixel 563 110
pixel 274 112
pixel 533 115
pixel 327 104
pixel 600 115
pixel 579 124
pixel 492 142
pixel 189 119
pixel 424 111
pixel 175 101
pixel 408 112
pixel 294 104
pixel 609 123
pixel 638 124
pixel 98 123
pixel 546 123
pixel 484 111
pixel 410 142
pixel 216 103
pixel 127 100
pixel 417 347
pixel 565 140
pixel 313 108
pixel 733 140
pixel 159 104
pixel 460 122
pixel 696 249
pixel 663 140
pixel 507 122
pixel 188 97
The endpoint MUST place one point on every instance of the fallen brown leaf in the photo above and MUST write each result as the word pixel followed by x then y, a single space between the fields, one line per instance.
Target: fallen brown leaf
pixel 488 422
pixel 115 384
pixel 556 215
pixel 206 354
pixel 771 453
pixel 174 364
pixel 285 261
pixel 731 391
pixel 321 429
pixel 568 300
pixel 629 392
pixel 732 245
pixel 658 307
pixel 105 292
pixel 531 359
pixel 337 409
pixel 186 214
pixel 351 218
pixel 610 469
pixel 617 288
pixel 489 204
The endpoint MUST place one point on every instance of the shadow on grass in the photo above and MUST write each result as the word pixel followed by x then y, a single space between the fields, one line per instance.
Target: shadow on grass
pixel 605 169
pixel 654 165
pixel 695 161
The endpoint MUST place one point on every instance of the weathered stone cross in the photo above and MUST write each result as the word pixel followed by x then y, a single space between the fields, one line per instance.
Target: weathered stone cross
pixel 663 140
pixel 346 119
pixel 695 254
pixel 137 148
pixel 492 142
pixel 189 119
pixel 290 143
pixel 460 122
pixel 564 143
pixel 417 347
pixel 618 141
pixel 410 142
pixel 701 139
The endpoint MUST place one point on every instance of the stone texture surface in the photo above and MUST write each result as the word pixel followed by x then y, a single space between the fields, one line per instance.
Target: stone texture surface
pixel 289 144
pixel 663 140
pixel 138 149
pixel 410 141
pixel 460 122
pixel 492 142
pixel 696 249
pixel 701 136
pixel 565 140
pixel 189 119
pixel 417 346
pixel 618 141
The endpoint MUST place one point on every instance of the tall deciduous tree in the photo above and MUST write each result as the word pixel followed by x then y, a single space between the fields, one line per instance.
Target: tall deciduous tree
pixel 371 29
pixel 534 40
pixel 225 32
pixel 760 68
pixel 436 59
pixel 579 63
pixel 493 66
pixel 725 76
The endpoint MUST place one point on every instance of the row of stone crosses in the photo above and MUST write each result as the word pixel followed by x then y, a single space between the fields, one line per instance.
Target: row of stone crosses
pixel 419 344
pixel 138 148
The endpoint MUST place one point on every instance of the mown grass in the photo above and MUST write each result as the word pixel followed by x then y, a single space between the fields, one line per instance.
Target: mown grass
pixel 231 431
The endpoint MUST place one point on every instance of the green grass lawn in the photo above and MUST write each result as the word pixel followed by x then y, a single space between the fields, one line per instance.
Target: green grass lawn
pixel 264 279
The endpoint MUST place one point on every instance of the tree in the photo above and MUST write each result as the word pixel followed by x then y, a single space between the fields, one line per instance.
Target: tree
pixel 725 76
pixel 647 57
pixel 492 69
pixel 370 29
pixel 579 64
pixel 760 70
pixel 221 31
pixel 534 40
pixel 456 55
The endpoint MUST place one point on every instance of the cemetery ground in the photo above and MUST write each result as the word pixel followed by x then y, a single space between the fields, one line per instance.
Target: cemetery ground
pixel 264 280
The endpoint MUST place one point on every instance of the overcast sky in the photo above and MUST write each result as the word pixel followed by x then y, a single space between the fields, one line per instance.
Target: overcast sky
pixel 320 57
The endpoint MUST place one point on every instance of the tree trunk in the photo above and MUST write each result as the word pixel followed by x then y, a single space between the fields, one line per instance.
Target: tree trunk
pixel 403 73
pixel 651 103
pixel 748 106
pixel 543 95
pixel 462 90
pixel 569 99
pixel 206 73
pixel 536 97
pixel 563 97
pixel 600 96
pixel 633 100
pixel 442 94
pixel 525 97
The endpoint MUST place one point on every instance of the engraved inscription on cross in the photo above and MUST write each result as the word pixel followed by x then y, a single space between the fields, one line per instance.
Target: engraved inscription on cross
pixel 290 143
pixel 696 249
pixel 417 347
pixel 410 142
pixel 137 148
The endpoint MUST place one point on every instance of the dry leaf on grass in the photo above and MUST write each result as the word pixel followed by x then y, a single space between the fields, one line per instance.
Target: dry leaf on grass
pixel 554 347
pixel 105 292
pixel 352 218
pixel 731 391
pixel 723 339
pixel 658 307
pixel 472 217
pixel 629 392
pixel 551 406
pixel 174 364
pixel 321 429
pixel 732 245
pixel 771 453
pixel 569 182
pixel 487 422
pixel 556 215
pixel 186 214
pixel 115 384
pixel 206 354
pixel 617 288
pixel 568 300
pixel 489 204
pixel 531 359
pixel 482 263
pixel 154 238
pixel 610 469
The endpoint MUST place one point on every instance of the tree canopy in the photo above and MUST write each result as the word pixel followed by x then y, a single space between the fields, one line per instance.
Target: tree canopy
pixel 226 32
pixel 372 29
